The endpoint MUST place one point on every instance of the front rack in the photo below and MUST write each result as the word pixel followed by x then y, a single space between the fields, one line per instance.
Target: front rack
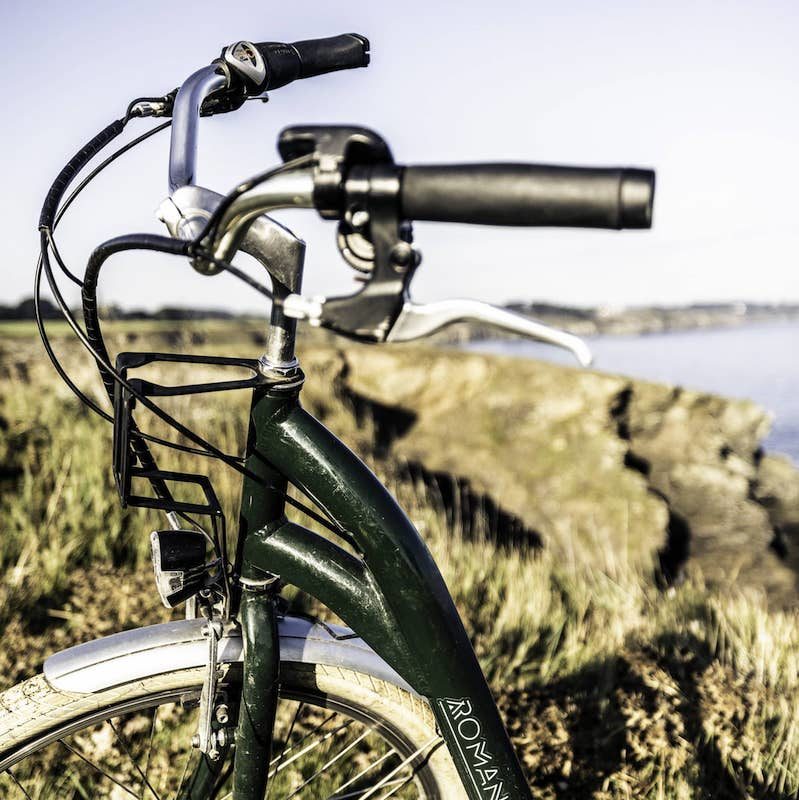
pixel 124 459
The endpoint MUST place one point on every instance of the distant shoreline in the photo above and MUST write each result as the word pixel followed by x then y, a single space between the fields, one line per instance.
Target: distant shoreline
pixel 632 321
pixel 602 320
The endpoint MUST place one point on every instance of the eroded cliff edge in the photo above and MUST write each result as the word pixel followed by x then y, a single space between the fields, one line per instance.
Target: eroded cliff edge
pixel 578 461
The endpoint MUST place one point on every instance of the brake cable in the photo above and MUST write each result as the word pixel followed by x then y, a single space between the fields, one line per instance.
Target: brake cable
pixel 176 247
pixel 40 322
pixel 48 242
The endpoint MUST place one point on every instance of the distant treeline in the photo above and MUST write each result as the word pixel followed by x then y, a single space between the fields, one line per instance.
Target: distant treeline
pixel 589 313
pixel 25 311
pixel 549 311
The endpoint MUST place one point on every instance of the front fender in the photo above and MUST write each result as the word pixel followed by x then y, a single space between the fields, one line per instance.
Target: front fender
pixel 144 652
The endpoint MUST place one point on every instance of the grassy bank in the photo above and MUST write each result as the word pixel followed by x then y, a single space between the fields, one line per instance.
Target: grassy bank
pixel 612 687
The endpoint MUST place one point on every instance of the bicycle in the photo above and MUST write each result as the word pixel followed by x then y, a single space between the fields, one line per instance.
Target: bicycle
pixel 242 698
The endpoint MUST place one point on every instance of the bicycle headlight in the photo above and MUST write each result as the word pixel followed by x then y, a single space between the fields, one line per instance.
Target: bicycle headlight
pixel 179 564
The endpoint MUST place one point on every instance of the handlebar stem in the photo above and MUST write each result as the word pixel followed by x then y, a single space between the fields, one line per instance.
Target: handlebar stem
pixel 186 121
pixel 293 189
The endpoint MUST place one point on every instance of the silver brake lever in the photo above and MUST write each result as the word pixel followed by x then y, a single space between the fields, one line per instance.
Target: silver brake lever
pixel 417 320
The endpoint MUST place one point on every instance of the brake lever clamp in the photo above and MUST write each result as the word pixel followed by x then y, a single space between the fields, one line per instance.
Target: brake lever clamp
pixel 357 183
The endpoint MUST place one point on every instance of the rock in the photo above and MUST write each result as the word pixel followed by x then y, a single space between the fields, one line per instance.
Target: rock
pixel 583 458
pixel 777 490
pixel 705 459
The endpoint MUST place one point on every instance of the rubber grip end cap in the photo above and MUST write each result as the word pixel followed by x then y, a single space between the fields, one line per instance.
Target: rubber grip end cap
pixel 636 195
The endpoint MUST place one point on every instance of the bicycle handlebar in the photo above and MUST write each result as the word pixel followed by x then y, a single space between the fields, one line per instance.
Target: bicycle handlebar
pixel 529 195
pixel 246 68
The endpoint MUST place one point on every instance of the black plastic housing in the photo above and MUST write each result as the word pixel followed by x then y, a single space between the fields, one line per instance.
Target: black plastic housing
pixel 179 564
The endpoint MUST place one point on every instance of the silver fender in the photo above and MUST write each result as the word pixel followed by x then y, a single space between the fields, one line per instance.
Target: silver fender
pixel 144 652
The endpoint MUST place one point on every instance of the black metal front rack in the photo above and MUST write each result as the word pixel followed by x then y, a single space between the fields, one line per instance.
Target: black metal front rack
pixel 124 459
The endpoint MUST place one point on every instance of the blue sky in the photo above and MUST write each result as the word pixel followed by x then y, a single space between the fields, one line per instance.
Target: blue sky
pixel 704 92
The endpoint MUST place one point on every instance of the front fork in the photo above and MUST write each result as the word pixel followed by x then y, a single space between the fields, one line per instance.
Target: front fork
pixel 256 708
pixel 256 596
pixel 259 693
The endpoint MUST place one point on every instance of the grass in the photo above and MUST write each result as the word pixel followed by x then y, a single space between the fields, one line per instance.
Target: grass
pixel 611 687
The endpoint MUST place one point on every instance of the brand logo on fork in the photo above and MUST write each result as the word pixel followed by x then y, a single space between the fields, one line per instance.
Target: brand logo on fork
pixel 467 732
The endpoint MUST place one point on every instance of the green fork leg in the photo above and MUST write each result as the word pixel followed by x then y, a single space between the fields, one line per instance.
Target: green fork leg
pixel 259 695
pixel 261 506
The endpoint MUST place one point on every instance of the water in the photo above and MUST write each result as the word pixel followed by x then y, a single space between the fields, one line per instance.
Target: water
pixel 759 362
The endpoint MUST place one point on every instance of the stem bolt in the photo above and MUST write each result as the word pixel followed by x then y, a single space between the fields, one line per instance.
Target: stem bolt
pixel 402 256
pixel 360 219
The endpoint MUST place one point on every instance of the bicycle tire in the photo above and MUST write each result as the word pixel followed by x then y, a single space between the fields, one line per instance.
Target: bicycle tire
pixel 35 715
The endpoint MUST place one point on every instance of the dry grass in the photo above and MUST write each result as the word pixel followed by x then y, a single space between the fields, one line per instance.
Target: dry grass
pixel 611 687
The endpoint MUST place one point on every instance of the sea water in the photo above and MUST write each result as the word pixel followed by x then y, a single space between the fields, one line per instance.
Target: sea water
pixel 756 361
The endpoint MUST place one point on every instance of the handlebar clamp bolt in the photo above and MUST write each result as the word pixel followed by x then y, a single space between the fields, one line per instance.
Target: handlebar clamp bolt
pixel 359 219
pixel 403 256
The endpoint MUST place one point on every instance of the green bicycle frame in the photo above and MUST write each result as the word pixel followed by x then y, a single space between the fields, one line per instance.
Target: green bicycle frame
pixel 393 595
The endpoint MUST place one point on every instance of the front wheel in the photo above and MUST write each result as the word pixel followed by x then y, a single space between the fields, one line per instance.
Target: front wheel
pixel 339 734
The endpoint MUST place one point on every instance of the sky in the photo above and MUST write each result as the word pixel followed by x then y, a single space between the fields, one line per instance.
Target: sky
pixel 703 92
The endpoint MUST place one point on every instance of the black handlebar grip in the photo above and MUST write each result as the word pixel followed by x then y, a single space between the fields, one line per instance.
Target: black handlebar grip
pixel 529 195
pixel 320 56
pixel 288 62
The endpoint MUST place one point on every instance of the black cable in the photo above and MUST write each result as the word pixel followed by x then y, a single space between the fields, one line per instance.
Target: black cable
pixel 46 221
pixel 197 252
pixel 66 175
pixel 61 211
pixel 88 401
pixel 41 324
pixel 209 449
pixel 102 359
pixel 85 399
pixel 37 290
pixel 142 453
pixel 174 247
pixel 100 167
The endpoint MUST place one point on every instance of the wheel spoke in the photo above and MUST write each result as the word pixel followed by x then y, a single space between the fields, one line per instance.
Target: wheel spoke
pixel 286 741
pixel 133 761
pixel 75 751
pixel 312 746
pixel 304 738
pixel 19 785
pixel 355 778
pixel 183 775
pixel 380 784
pixel 149 750
pixel 399 786
pixel 330 762
pixel 359 793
